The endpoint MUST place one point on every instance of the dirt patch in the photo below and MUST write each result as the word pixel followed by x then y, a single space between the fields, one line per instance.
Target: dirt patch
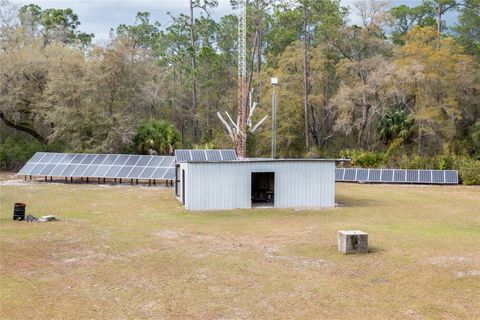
pixel 170 234
pixel 298 261
pixel 469 273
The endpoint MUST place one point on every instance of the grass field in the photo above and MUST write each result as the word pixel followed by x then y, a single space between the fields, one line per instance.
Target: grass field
pixel 121 252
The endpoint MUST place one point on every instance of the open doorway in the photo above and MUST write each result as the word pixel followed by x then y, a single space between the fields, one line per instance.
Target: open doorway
pixel 263 189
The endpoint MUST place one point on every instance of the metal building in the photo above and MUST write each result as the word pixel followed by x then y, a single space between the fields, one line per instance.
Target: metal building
pixel 215 185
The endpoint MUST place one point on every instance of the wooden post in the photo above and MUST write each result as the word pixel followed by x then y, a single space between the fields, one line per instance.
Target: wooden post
pixel 45 178
pixel 66 180
pixel 120 180
pixel 25 178
pixel 131 181
pixel 81 179
pixel 149 182
pixel 103 180
pixel 115 181
pixel 30 177
pixel 136 181
pixel 71 179
pixel 51 179
pixel 154 181
pixel 98 180
pixel 87 179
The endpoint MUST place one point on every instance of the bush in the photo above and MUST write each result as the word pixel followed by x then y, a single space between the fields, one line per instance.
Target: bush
pixel 364 159
pixel 15 152
pixel 469 171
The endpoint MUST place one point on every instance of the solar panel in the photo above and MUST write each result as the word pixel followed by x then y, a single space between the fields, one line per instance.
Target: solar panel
pixel 78 158
pixel 397 176
pixel 112 172
pixel 123 173
pixel 90 172
pixel 57 158
pixel 387 175
pixel 170 174
pixel 26 169
pixel 438 176
pixel 425 176
pixel 198 155
pixel 79 170
pixel 229 155
pixel 144 160
pixel 375 175
pixel 68 157
pixel 155 161
pixel 47 158
pixel 147 173
pixel 57 171
pixel 214 155
pixel 69 170
pixel 339 174
pixel 182 155
pixel 99 159
pixel 135 173
pixel 186 155
pixel 48 168
pixel 451 176
pixel 132 160
pixel 412 175
pixel 89 159
pixel 350 174
pixel 37 157
pixel 101 171
pixel 362 175
pixel 159 172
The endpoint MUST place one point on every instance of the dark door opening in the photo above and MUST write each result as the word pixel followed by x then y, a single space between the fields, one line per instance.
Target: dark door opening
pixel 263 188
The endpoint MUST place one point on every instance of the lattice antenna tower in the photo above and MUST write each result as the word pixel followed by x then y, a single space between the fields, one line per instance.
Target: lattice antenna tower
pixel 241 139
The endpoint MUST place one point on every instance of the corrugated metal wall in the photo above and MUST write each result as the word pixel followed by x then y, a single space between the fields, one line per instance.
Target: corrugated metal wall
pixel 213 186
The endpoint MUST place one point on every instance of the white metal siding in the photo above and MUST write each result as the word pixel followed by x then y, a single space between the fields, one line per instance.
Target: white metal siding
pixel 215 186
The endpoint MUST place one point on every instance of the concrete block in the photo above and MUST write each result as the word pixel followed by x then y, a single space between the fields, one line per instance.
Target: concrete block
pixel 352 241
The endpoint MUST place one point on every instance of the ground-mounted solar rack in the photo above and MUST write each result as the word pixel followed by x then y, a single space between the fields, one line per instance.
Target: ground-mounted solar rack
pixel 100 166
pixel 402 176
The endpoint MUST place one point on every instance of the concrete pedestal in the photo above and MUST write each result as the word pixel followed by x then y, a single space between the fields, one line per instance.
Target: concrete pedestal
pixel 352 241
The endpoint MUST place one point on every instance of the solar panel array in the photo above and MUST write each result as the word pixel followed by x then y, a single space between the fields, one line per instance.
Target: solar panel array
pixel 184 155
pixel 100 166
pixel 397 176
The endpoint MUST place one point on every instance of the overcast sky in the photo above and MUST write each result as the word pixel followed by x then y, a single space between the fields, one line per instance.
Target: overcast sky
pixel 98 16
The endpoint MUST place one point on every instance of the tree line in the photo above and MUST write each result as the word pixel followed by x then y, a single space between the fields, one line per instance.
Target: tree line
pixel 397 81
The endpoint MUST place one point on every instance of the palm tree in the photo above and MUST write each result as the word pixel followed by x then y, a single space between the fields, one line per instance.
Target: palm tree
pixel 156 137
pixel 396 124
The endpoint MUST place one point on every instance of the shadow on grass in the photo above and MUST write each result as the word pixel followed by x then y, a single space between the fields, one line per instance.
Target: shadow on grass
pixel 356 202
pixel 374 249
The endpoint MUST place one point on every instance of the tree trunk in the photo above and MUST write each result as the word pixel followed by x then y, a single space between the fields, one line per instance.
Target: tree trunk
pixel 316 127
pixel 439 24
pixel 305 75
pixel 194 79
pixel 363 124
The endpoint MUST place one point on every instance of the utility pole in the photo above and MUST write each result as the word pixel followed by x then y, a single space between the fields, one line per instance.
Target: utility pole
pixel 241 138
pixel 274 82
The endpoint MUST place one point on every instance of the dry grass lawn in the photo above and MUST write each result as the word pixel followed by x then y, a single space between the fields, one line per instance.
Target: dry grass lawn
pixel 122 252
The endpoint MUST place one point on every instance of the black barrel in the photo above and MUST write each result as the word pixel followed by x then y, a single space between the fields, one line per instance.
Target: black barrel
pixel 19 211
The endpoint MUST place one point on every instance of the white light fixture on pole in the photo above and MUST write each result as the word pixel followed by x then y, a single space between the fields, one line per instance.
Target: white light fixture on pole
pixel 274 82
